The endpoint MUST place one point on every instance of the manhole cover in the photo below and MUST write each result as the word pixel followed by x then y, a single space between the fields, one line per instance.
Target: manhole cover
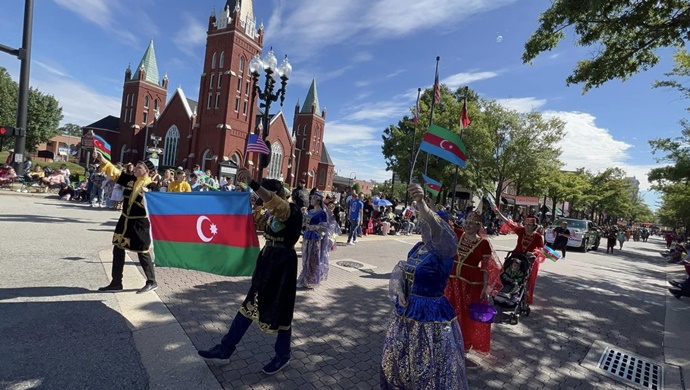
pixel 350 264
pixel 632 369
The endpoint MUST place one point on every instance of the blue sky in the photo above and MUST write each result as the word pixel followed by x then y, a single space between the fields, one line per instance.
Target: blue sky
pixel 368 57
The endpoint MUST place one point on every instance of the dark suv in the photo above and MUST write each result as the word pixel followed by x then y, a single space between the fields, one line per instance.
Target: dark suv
pixel 584 234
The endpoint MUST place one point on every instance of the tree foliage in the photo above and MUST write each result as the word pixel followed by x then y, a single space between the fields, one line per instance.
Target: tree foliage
pixel 501 144
pixel 674 156
pixel 625 35
pixel 680 73
pixel 44 113
pixel 71 129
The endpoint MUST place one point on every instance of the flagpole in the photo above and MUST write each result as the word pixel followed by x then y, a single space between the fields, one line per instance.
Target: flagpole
pixel 431 112
pixel 455 179
pixel 413 156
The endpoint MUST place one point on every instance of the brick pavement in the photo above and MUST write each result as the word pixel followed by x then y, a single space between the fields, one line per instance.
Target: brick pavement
pixel 339 327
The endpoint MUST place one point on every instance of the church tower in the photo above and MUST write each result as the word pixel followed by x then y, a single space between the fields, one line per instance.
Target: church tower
pixel 313 162
pixel 225 113
pixel 143 98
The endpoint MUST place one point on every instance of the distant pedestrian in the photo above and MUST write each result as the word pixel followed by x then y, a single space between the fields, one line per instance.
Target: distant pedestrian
pixel 132 231
pixel 561 236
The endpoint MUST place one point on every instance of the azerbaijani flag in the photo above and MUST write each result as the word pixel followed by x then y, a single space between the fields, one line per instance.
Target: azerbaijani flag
pixel 492 204
pixel 550 254
pixel 205 231
pixel 431 186
pixel 101 146
pixel 444 144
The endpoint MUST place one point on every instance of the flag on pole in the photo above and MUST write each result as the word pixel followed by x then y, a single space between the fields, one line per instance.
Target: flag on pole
pixel 492 204
pixel 431 186
pixel 101 146
pixel 444 144
pixel 257 145
pixel 416 109
pixel 205 231
pixel 549 253
pixel 464 116
pixel 437 88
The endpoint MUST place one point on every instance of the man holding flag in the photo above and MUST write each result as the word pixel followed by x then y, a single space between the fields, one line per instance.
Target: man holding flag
pixel 271 297
pixel 132 231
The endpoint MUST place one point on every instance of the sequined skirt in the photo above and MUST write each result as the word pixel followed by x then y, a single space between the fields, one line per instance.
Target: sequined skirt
pixel 423 355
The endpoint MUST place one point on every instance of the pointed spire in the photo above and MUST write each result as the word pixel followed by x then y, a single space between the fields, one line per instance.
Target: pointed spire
pixel 243 7
pixel 312 99
pixel 149 65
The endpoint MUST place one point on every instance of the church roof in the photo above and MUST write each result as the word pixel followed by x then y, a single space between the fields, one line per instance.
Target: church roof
pixel 325 157
pixel 192 104
pixel 311 100
pixel 148 61
pixel 108 123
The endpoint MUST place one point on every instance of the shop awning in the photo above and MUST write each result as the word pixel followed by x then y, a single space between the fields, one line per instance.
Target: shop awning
pixel 509 200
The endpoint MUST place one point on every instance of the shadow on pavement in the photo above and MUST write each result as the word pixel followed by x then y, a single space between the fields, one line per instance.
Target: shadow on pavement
pixel 67 345
pixel 39 219
pixel 33 292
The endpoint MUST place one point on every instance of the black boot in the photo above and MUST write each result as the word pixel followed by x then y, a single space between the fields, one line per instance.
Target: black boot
pixel 150 286
pixel 112 287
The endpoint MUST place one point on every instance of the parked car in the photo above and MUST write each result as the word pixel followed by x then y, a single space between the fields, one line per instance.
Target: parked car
pixel 584 234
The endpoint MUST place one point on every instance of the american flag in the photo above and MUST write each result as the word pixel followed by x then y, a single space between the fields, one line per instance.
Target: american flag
pixel 257 145
pixel 437 89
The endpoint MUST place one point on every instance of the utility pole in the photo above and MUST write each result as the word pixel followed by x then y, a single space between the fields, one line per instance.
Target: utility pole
pixel 24 55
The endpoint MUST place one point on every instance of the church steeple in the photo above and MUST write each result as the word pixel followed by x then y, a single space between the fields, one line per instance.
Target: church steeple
pixel 312 100
pixel 148 65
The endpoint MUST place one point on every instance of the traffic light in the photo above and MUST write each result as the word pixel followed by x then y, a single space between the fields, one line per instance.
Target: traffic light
pixel 6 131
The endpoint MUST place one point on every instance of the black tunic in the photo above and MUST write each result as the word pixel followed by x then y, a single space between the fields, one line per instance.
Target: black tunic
pixel 271 297
pixel 132 231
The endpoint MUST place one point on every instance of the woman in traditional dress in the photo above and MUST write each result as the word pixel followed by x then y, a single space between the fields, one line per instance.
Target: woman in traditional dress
pixel 315 245
pixel 423 348
pixel 475 276
pixel 528 241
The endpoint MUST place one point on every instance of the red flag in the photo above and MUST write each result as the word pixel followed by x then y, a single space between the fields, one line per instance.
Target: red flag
pixel 464 117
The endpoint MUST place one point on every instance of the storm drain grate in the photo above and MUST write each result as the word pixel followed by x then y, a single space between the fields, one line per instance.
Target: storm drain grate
pixel 632 369
pixel 350 264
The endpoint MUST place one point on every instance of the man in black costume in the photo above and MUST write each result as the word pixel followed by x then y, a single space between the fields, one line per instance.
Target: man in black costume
pixel 271 297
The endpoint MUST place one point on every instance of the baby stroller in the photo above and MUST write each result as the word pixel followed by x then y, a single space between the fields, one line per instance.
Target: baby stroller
pixel 516 296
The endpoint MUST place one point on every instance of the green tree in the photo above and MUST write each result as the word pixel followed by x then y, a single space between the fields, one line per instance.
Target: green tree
pixel 44 113
pixel 674 156
pixel 675 205
pixel 680 73
pixel 71 129
pixel 626 35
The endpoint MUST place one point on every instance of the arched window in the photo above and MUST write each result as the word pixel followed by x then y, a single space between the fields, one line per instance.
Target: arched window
pixel 221 62
pixel 155 104
pixel 172 141
pixel 235 158
pixel 123 153
pixel 322 178
pixel 146 102
pixel 275 167
pixel 213 61
pixel 206 157
pixel 241 64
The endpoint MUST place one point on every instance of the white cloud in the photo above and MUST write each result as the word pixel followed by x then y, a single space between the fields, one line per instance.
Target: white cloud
pixel 351 135
pixel 80 103
pixel 594 148
pixel 525 104
pixel 191 36
pixel 461 79
pixel 51 69
pixel 106 14
pixel 386 111
pixel 311 27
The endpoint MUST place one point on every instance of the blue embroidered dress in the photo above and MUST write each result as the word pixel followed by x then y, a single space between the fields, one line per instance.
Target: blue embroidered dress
pixel 423 348
pixel 315 248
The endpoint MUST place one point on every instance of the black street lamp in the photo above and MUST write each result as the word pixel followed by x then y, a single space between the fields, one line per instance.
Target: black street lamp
pixel 273 72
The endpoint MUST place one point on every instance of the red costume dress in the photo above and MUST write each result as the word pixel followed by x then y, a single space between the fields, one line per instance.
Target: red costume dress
pixel 528 244
pixel 465 285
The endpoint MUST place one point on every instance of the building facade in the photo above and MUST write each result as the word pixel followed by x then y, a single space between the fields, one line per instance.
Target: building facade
pixel 214 128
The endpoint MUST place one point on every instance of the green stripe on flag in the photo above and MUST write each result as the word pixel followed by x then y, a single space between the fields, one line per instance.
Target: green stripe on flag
pixel 216 259
pixel 430 190
pixel 448 135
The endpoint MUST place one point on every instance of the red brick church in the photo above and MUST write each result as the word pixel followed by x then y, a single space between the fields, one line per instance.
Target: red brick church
pixel 214 129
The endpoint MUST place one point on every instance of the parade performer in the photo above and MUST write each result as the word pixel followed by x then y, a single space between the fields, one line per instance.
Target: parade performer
pixel 423 348
pixel 132 231
pixel 319 228
pixel 271 297
pixel 528 241
pixel 475 276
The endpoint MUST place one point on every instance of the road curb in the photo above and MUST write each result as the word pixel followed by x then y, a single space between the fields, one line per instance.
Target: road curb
pixel 167 354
